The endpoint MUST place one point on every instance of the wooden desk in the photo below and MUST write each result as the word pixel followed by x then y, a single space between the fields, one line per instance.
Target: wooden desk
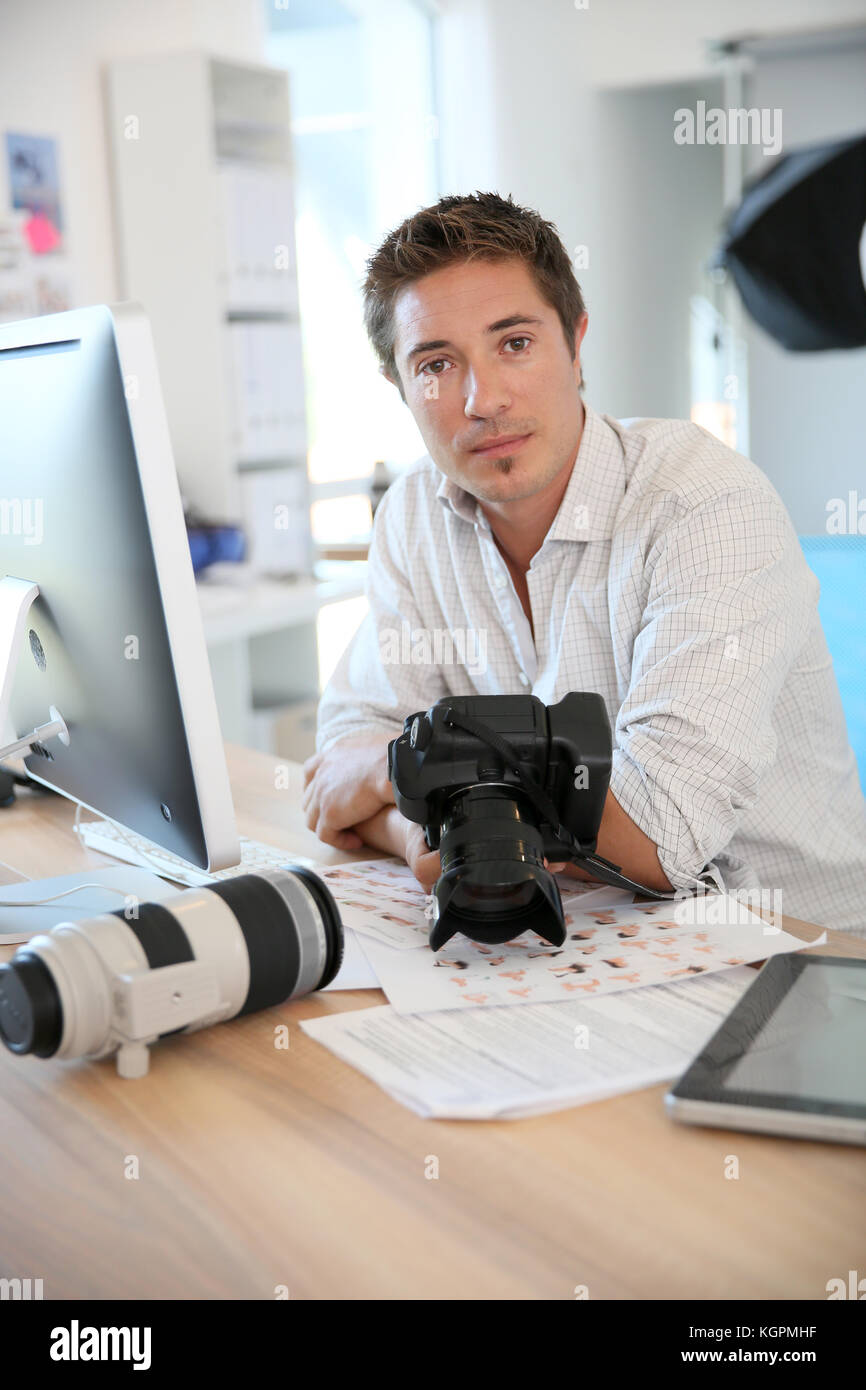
pixel 260 1167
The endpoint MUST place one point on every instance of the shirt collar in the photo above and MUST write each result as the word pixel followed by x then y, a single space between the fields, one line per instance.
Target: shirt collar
pixel 592 497
pixel 460 501
pixel 597 484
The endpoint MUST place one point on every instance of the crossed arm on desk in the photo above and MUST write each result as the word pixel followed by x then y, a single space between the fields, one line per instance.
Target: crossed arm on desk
pixel 349 802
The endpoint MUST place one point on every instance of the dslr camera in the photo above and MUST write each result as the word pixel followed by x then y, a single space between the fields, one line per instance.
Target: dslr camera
pixel 501 784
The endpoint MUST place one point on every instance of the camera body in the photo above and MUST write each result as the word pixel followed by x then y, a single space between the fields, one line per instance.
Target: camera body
pixel 475 771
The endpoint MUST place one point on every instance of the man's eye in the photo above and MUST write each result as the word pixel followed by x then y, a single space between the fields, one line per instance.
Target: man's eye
pixel 521 338
pixel 437 362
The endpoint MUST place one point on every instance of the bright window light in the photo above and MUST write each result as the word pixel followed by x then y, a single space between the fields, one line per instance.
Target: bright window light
pixel 365 146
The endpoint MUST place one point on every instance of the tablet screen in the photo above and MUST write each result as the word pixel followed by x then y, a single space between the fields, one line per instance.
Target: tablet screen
pixel 813 1042
pixel 795 1041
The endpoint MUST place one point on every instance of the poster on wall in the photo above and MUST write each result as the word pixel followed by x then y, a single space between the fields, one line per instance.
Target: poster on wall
pixel 34 186
pixel 34 275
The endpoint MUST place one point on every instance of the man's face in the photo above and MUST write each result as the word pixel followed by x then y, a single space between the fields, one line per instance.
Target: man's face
pixel 489 378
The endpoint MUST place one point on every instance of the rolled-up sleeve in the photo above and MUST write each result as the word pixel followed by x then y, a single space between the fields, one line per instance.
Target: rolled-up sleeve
pixel 376 683
pixel 727 604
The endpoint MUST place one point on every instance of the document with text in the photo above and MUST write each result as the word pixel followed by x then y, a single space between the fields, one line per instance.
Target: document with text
pixel 486 1064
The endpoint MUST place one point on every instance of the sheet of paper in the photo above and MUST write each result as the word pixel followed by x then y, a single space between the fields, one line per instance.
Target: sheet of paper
pixel 355 971
pixel 510 1063
pixel 383 899
pixel 608 949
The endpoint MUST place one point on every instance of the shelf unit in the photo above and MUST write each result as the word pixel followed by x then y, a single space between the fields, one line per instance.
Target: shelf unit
pixel 256 636
pixel 204 204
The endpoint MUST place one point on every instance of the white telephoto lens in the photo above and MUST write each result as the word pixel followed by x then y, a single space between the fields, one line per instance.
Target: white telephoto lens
pixel 120 981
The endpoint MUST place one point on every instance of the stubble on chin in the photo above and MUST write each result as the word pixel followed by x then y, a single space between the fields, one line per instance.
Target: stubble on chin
pixel 503 481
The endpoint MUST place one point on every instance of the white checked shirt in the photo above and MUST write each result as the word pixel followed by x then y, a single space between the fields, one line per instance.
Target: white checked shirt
pixel 671 582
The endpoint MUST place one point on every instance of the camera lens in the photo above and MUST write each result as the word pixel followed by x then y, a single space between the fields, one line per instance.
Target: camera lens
pixel 236 945
pixel 469 895
pixel 292 931
pixel 31 1015
pixel 494 885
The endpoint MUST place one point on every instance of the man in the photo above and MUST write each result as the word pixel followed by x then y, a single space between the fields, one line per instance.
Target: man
pixel 651 564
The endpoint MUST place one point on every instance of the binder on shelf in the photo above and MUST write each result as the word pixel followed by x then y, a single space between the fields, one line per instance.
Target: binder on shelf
pixel 258 272
pixel 267 391
pixel 276 520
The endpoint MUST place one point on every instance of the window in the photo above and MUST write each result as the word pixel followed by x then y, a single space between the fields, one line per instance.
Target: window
pixel 365 145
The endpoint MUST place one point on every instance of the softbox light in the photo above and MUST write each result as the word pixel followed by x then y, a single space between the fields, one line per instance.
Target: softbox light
pixel 793 247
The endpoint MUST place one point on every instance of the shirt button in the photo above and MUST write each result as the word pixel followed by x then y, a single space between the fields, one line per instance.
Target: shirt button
pixel 524 679
pixel 500 581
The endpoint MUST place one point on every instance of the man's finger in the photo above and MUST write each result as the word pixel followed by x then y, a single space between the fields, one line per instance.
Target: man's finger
pixel 426 868
pixel 310 767
pixel 338 839
pixel 348 840
pixel 328 836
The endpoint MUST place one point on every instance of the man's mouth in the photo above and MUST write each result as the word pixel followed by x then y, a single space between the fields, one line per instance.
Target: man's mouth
pixel 495 448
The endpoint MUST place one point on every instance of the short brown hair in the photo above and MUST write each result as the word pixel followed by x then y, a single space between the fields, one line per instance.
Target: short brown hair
pixel 478 225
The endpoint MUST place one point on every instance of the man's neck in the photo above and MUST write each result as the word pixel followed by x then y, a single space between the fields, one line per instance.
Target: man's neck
pixel 520 527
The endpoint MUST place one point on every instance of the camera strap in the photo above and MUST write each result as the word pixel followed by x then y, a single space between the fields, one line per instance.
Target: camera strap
pixel 601 868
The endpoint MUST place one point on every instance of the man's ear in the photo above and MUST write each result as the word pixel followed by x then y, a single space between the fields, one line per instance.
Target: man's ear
pixel 579 332
pixel 394 380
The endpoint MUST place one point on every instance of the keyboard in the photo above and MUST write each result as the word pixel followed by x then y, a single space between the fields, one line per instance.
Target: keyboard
pixel 107 838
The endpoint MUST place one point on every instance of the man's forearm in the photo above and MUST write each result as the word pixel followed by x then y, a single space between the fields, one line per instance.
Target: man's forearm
pixel 357 771
pixel 391 831
pixel 619 840
pixel 385 831
pixel 625 844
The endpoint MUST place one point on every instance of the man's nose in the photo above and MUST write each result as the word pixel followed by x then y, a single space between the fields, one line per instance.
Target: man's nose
pixel 486 394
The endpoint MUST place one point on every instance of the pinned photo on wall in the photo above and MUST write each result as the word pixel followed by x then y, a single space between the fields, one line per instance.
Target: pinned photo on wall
pixel 34 185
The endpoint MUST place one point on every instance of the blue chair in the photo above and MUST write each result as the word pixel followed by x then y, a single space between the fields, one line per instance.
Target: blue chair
pixel 840 564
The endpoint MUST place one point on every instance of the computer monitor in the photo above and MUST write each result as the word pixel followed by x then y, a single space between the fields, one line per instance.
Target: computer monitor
pixel 110 653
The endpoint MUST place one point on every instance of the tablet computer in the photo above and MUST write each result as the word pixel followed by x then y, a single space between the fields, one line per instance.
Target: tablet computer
pixel 790 1058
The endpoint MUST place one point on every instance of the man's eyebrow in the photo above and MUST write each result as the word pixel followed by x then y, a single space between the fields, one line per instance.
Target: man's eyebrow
pixel 513 321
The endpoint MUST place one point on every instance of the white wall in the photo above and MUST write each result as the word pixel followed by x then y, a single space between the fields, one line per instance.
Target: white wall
pixel 522 112
pixel 514 105
pixel 638 42
pixel 660 207
pixel 52 54
pixel 808 410
pixel 519 115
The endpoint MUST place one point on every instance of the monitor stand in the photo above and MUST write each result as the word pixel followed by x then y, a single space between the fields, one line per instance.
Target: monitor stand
pixel 16 596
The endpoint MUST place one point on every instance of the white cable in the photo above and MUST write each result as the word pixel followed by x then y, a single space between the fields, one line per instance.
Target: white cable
pixel 36 902
pixel 107 887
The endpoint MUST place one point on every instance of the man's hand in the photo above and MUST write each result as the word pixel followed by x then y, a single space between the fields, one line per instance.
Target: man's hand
pixel 423 862
pixel 345 785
